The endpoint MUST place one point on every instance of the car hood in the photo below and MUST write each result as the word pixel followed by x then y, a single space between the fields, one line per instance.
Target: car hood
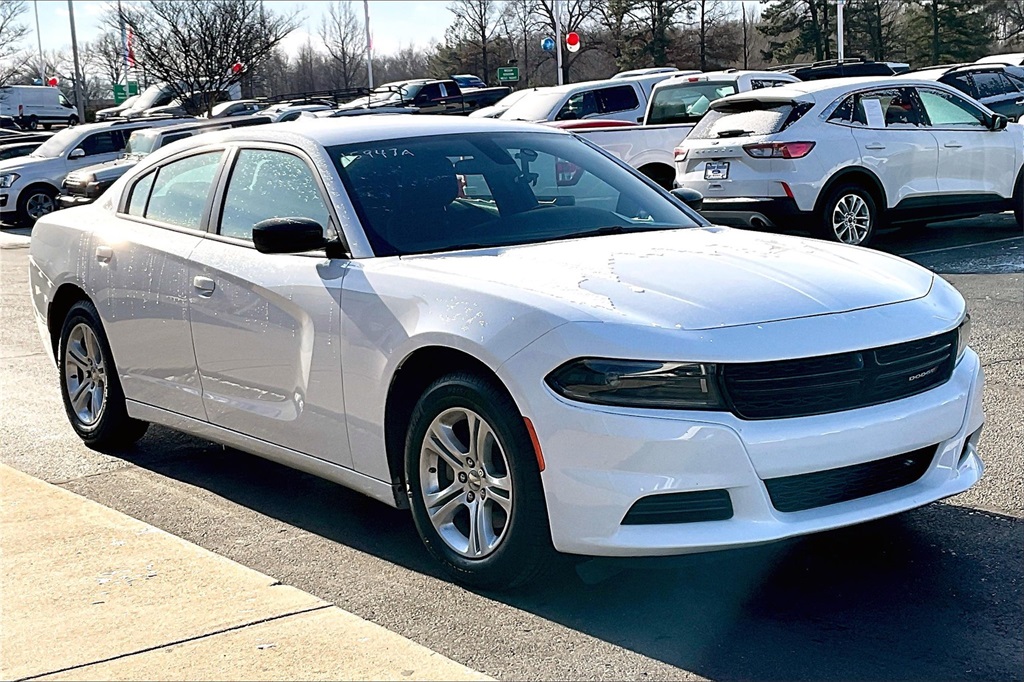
pixel 105 171
pixel 698 278
pixel 22 162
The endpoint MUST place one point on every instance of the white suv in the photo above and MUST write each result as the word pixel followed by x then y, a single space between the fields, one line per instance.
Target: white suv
pixel 844 157
pixel 29 185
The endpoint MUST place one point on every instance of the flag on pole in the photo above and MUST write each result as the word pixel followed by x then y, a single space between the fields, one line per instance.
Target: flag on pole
pixel 130 48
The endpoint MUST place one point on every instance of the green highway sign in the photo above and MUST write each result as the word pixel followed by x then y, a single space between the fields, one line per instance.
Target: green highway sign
pixel 119 91
pixel 508 74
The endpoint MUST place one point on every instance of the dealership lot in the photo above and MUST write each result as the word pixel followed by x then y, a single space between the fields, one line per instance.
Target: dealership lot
pixel 930 594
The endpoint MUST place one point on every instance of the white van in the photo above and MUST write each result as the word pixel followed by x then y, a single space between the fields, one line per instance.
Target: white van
pixel 35 105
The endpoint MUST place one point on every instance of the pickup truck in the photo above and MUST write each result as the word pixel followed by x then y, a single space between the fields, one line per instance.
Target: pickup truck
pixel 674 107
pixel 428 96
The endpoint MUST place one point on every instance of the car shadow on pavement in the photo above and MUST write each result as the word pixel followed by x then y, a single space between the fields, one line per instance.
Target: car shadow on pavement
pixel 930 594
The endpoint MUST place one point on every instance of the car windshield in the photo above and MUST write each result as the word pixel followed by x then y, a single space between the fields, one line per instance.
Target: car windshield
pixel 537 106
pixel 449 192
pixel 686 102
pixel 58 144
pixel 141 142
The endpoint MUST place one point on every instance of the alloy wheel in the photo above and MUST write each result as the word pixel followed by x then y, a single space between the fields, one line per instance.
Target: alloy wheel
pixel 85 374
pixel 851 219
pixel 465 483
pixel 38 205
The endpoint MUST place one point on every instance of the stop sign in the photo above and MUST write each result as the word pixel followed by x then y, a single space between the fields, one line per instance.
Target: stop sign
pixel 572 41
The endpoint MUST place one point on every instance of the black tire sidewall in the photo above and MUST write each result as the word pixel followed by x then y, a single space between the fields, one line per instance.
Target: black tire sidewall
pixel 28 194
pixel 825 230
pixel 114 428
pixel 528 537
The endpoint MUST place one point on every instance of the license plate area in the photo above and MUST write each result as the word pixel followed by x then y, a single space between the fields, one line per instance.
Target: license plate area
pixel 716 170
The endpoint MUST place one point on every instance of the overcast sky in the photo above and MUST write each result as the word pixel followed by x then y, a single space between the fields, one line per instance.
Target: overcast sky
pixel 394 23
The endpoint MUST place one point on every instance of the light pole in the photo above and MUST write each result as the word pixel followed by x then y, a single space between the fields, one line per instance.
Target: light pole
pixel 78 71
pixel 839 29
pixel 369 44
pixel 39 37
pixel 556 11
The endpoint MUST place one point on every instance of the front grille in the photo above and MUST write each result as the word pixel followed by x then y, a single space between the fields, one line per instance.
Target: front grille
pixel 807 491
pixel 699 505
pixel 844 381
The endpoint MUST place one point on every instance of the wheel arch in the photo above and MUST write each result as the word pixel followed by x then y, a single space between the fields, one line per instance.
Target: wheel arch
pixel 67 295
pixel 861 176
pixel 414 374
pixel 38 184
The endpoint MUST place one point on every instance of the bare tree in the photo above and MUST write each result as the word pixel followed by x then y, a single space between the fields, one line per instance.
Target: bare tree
pixel 476 23
pixel 708 16
pixel 191 45
pixel 653 21
pixel 519 22
pixel 343 35
pixel 105 55
pixel 12 32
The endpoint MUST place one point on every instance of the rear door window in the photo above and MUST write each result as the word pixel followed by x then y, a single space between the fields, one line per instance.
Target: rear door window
pixel 888 108
pixel 992 84
pixel 747 119
pixel 622 98
pixel 580 105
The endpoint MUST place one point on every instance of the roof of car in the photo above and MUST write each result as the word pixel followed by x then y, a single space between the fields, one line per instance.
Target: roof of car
pixel 726 75
pixel 936 72
pixel 830 88
pixel 329 131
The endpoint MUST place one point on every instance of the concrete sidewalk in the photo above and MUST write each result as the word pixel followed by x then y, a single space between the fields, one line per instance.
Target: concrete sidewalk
pixel 89 593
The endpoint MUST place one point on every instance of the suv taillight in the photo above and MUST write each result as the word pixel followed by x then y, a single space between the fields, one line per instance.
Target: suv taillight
pixel 779 150
pixel 679 154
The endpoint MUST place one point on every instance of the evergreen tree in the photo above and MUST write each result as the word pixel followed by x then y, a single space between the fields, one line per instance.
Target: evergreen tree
pixel 946 31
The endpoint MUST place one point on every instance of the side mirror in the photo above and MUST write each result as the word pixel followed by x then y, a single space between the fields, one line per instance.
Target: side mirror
pixel 997 122
pixel 288 235
pixel 76 153
pixel 690 197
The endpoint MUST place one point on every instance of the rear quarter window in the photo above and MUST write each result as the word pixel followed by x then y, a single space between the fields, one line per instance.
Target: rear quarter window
pixel 747 119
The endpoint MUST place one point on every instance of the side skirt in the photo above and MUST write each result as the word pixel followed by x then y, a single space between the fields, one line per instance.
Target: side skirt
pixel 379 490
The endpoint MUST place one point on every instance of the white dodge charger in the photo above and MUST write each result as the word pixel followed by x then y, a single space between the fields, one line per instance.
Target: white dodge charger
pixel 498 326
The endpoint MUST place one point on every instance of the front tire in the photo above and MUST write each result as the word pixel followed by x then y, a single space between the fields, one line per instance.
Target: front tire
pixel 35 202
pixel 849 216
pixel 91 391
pixel 474 484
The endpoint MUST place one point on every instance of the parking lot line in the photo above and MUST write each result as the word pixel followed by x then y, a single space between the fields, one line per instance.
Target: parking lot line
pixel 962 246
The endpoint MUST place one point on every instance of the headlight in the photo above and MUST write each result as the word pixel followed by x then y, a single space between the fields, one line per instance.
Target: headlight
pixel 638 383
pixel 963 336
pixel 8 179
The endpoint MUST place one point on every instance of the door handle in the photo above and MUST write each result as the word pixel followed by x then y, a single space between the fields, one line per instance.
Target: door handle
pixel 1019 103
pixel 205 285
pixel 874 145
pixel 952 145
pixel 104 254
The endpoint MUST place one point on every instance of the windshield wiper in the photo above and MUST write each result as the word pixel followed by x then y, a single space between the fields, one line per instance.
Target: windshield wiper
pixel 734 133
pixel 604 231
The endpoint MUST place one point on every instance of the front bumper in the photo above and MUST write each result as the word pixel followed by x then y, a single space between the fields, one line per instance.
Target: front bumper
pixel 601 461
pixel 777 212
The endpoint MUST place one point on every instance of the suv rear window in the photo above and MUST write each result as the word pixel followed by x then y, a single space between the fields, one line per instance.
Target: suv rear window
pixel 749 118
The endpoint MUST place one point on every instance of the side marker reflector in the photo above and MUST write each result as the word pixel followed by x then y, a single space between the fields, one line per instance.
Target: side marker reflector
pixel 536 443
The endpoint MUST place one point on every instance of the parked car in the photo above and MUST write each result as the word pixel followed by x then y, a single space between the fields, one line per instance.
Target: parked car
pixel 495 110
pixel 998 86
pixel 1012 58
pixel 675 106
pixel 427 96
pixel 844 157
pixel 156 95
pixel 622 99
pixel 17 149
pixel 853 67
pixel 29 185
pixel 466 81
pixel 118 110
pixel 242 107
pixel 86 185
pixel 36 105
pixel 565 358
pixel 282 113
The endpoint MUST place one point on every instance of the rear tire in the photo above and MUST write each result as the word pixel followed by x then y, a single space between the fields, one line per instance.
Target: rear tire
pixel 33 123
pixel 849 215
pixel 89 385
pixel 477 500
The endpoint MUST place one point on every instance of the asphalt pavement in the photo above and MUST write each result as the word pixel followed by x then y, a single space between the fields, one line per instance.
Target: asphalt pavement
pixel 931 594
